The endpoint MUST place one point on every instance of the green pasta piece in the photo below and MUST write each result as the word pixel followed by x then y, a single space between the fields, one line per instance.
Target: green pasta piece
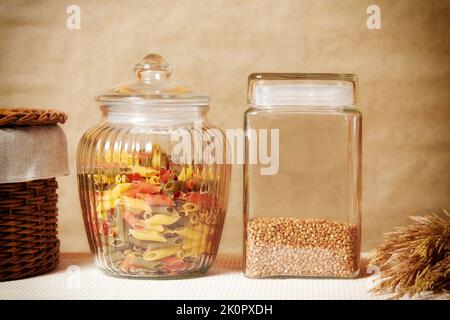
pixel 183 221
pixel 116 256
pixel 139 243
pixel 121 225
pixel 172 187
pixel 116 242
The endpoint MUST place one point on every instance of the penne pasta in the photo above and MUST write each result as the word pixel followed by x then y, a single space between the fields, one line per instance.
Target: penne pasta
pixel 191 253
pixel 153 216
pixel 172 186
pixel 211 220
pixel 147 215
pixel 196 251
pixel 189 172
pixel 154 180
pixel 179 254
pixel 116 256
pixel 107 205
pixel 121 225
pixel 204 213
pixel 102 178
pixel 182 175
pixel 176 240
pixel 136 204
pixel 116 264
pixel 194 218
pixel 139 243
pixel 116 242
pixel 125 265
pixel 156 157
pixel 193 243
pixel 152 255
pixel 151 245
pixel 189 206
pixel 165 210
pixel 189 233
pixel 205 188
pixel 154 227
pixel 120 178
pixel 145 172
pixel 139 262
pixel 162 219
pixel 115 192
pixel 202 228
pixel 134 222
pixel 148 235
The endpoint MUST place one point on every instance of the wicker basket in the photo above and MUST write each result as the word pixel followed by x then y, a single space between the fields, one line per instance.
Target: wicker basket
pixel 28 213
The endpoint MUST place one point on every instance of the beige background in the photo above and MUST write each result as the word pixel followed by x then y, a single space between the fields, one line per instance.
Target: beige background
pixel 404 73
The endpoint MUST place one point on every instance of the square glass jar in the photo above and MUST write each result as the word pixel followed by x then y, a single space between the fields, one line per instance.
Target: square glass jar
pixel 302 217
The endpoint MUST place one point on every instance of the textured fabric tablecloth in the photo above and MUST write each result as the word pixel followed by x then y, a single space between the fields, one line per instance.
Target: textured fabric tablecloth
pixel 78 278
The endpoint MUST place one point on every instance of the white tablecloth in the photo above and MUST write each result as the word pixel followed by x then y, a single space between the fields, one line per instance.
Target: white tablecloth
pixel 78 278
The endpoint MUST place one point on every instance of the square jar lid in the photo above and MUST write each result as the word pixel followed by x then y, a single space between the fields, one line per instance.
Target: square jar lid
pixel 302 89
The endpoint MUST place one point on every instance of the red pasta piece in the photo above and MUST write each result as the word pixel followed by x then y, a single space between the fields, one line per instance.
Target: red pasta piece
pixel 204 200
pixel 190 185
pixel 164 175
pixel 135 177
pixel 158 200
pixel 174 264
pixel 141 187
pixel 106 164
pixel 126 263
pixel 171 260
pixel 134 222
pixel 178 266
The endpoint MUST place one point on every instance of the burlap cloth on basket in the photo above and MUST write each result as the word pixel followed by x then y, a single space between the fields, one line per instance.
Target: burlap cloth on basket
pixel 31 153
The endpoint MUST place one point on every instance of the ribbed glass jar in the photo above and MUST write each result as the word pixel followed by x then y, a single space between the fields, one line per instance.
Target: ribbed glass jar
pixel 148 211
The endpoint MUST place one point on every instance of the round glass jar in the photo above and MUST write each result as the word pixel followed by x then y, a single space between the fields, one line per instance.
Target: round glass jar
pixel 152 181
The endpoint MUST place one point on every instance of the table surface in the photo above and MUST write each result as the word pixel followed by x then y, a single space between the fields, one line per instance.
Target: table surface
pixel 77 278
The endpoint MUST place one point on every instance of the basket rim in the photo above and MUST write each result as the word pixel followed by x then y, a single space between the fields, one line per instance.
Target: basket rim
pixel 25 117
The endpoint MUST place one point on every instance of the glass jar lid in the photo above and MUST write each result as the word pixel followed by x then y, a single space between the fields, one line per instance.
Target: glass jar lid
pixel 153 86
pixel 302 89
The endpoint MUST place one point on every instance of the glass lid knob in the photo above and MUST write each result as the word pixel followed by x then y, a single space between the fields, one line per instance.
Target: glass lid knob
pixel 152 67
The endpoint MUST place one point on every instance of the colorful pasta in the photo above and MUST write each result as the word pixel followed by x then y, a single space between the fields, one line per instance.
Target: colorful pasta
pixel 190 207
pixel 139 262
pixel 116 243
pixel 136 204
pixel 155 217
pixel 189 233
pixel 162 219
pixel 148 235
pixel 191 244
pixel 157 254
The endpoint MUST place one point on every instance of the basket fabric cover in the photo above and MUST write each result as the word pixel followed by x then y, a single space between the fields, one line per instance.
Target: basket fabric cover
pixel 30 159
pixel 31 153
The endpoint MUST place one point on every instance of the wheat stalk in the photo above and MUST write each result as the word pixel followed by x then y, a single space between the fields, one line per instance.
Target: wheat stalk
pixel 415 258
